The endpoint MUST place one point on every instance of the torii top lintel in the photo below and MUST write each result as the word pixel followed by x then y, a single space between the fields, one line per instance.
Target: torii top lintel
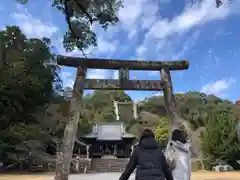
pixel 94 63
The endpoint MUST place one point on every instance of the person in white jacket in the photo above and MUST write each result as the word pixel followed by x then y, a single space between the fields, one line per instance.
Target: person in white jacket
pixel 178 155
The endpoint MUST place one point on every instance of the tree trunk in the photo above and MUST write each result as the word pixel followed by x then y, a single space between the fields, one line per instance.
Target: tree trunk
pixel 64 157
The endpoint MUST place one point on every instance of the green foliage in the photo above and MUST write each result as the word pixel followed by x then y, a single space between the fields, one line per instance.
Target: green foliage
pixel 192 106
pixel 27 82
pixel 219 140
pixel 162 131
pixel 100 105
pixel 22 1
pixel 155 105
pixel 81 15
pixel 24 67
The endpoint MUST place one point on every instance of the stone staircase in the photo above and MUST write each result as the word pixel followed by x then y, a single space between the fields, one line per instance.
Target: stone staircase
pixel 81 165
pixel 108 165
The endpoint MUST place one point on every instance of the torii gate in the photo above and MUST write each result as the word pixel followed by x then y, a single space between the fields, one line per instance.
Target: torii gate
pixel 123 83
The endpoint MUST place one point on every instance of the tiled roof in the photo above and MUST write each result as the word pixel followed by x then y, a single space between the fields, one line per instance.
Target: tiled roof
pixel 109 131
pixel 128 135
pixel 90 135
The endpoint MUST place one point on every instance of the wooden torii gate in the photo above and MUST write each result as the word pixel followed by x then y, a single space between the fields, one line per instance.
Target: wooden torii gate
pixel 123 83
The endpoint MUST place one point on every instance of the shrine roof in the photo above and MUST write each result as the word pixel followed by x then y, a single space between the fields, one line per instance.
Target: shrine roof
pixel 90 135
pixel 128 135
pixel 109 132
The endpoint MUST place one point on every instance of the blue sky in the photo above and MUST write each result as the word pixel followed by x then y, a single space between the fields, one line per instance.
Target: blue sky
pixel 152 30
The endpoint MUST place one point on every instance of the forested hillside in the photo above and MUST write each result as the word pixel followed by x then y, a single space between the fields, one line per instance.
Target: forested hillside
pixel 212 121
pixel 194 107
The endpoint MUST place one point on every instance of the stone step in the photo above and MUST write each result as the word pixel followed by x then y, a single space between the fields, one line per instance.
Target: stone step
pixel 108 165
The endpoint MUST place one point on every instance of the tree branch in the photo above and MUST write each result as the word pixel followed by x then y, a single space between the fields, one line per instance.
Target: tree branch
pixel 84 11
pixel 220 3
pixel 67 16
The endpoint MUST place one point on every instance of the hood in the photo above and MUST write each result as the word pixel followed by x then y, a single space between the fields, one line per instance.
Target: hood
pixel 182 147
pixel 149 143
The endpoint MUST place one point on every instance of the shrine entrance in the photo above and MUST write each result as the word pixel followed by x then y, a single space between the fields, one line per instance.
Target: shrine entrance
pixel 109 139
pixel 122 83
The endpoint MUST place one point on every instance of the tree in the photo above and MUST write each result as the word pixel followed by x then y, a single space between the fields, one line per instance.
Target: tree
pixel 25 74
pixel 80 15
pixel 219 140
pixel 98 107
pixel 27 82
pixel 192 108
pixel 155 105
pixel 163 131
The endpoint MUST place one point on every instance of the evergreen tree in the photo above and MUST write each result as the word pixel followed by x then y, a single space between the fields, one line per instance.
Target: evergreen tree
pixel 219 140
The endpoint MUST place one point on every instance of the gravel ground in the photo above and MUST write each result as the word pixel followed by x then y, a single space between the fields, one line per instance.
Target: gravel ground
pixel 195 176
pixel 100 176
pixel 115 176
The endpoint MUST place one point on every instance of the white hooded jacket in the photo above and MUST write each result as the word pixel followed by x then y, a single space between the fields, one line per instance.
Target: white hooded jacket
pixel 178 155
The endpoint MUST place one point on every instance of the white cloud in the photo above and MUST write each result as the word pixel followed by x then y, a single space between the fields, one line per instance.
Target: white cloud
pixel 97 74
pixel 218 87
pixel 31 26
pixel 164 39
pixel 187 45
pixel 105 46
pixel 128 19
pixel 137 15
pixel 141 50
pixel 199 14
pixel 148 17
pixel 115 74
pixel 67 78
pixel 68 75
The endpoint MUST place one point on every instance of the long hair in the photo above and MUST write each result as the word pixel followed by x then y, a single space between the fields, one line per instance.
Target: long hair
pixel 147 133
pixel 178 135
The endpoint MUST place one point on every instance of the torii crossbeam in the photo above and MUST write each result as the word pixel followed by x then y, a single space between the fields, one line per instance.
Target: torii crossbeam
pixel 123 65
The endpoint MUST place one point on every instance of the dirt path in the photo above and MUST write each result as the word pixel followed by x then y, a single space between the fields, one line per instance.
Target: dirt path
pixel 115 176
pixel 216 176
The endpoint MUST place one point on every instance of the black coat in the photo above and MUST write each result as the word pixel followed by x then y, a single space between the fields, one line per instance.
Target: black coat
pixel 150 162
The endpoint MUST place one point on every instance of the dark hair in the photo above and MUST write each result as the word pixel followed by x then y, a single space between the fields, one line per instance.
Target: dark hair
pixel 147 133
pixel 178 135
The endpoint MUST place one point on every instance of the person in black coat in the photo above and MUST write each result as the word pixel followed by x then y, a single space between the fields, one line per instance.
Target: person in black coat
pixel 148 159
